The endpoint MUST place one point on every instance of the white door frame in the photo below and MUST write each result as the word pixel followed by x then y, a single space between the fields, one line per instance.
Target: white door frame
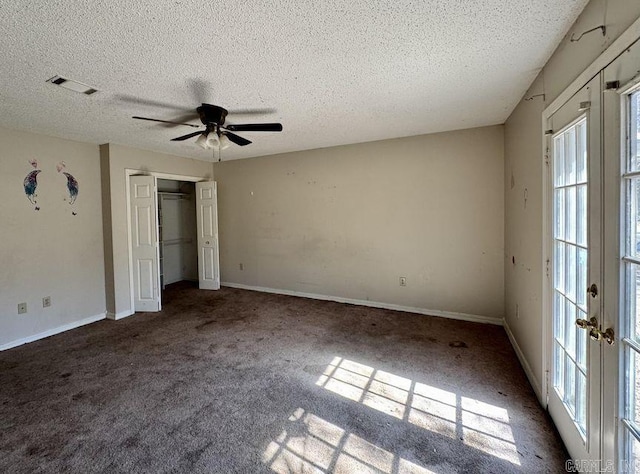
pixel 128 173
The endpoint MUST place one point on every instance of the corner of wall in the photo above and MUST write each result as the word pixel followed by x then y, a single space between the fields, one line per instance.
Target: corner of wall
pixel 105 180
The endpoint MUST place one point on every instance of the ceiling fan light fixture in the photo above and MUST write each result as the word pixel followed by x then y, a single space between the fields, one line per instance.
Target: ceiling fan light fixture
pixel 224 142
pixel 208 141
pixel 202 141
pixel 212 140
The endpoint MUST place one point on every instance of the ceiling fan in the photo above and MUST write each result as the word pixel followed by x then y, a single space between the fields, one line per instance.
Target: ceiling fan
pixel 216 133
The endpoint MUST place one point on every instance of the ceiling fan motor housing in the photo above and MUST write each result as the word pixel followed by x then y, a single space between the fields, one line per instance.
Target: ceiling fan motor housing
pixel 211 114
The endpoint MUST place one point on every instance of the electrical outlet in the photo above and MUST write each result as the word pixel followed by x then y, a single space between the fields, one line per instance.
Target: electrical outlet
pixel 46 301
pixel 403 281
pixel 241 266
pixel 22 308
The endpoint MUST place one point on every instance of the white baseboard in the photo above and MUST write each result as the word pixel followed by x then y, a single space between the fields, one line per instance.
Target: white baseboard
pixel 373 304
pixel 54 331
pixel 120 315
pixel 525 364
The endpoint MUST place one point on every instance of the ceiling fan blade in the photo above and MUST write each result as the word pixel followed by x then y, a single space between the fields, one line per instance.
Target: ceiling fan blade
pixel 149 103
pixel 251 111
pixel 187 136
pixel 184 118
pixel 255 127
pixel 166 121
pixel 236 139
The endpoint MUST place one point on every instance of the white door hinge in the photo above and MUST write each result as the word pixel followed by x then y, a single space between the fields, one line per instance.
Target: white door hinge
pixel 547 157
pixel 547 386
pixel 586 105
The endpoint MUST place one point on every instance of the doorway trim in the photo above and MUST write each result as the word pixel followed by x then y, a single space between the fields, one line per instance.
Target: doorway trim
pixel 158 175
pixel 615 49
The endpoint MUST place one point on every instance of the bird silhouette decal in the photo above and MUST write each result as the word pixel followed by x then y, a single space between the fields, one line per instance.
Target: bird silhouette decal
pixel 72 186
pixel 31 184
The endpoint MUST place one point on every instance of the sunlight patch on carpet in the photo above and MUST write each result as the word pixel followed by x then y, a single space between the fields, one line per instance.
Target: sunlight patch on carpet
pixel 477 424
pixel 309 444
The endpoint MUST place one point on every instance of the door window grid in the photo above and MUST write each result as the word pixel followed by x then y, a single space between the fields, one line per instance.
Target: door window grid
pixel 630 326
pixel 570 269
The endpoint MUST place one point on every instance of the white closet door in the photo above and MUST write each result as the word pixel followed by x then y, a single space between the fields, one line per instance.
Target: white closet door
pixel 207 224
pixel 144 243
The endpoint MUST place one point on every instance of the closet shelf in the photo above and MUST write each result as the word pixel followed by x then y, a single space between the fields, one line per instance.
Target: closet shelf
pixel 177 241
pixel 173 195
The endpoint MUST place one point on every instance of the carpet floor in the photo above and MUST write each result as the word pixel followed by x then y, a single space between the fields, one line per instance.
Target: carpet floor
pixel 240 381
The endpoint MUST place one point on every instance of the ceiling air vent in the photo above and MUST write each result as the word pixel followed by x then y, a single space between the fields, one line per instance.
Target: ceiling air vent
pixel 72 85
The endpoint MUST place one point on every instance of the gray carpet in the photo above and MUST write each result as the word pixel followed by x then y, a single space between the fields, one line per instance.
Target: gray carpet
pixel 240 381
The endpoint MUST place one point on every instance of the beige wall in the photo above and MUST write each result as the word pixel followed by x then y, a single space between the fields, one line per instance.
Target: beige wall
pixel 523 231
pixel 349 221
pixel 49 252
pixel 523 171
pixel 115 161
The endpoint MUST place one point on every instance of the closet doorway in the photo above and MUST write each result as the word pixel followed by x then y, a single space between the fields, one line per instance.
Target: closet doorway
pixel 173 230
pixel 177 236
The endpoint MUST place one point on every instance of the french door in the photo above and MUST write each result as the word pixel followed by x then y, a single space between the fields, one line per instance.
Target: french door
pixel 621 102
pixel 575 251
pixel 594 279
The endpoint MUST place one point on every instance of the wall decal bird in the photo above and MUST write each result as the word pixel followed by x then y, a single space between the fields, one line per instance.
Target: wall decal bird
pixel 30 185
pixel 72 186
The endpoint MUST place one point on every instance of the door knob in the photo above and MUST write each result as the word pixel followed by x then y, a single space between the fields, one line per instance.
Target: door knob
pixel 594 333
pixel 608 335
pixel 593 290
pixel 584 324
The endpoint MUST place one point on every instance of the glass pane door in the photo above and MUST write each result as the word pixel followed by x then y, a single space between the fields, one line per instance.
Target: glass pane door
pixel 574 248
pixel 570 260
pixel 630 326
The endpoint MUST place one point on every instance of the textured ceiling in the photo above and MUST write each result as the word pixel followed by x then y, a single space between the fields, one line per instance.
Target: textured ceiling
pixel 333 72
